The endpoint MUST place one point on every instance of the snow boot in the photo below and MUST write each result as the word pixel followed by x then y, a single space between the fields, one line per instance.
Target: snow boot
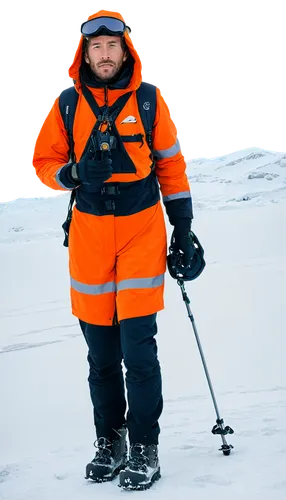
pixel 142 468
pixel 110 458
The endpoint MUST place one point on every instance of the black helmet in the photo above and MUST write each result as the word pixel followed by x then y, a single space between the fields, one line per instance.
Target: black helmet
pixel 175 261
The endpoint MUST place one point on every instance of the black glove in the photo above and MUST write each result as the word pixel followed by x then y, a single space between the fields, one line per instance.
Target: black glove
pixel 183 240
pixel 93 172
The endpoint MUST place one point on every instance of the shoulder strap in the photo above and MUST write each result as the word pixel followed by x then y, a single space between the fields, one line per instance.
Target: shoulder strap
pixel 146 99
pixel 91 101
pixel 68 102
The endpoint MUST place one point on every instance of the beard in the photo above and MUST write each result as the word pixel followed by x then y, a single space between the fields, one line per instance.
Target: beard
pixel 105 73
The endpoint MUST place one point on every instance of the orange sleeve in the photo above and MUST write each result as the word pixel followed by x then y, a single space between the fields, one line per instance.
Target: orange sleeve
pixel 52 149
pixel 170 164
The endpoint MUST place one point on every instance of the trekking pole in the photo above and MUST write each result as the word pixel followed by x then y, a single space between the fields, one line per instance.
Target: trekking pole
pixel 219 428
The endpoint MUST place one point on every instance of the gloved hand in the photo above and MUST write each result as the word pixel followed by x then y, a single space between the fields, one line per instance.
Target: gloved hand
pixel 183 240
pixel 93 172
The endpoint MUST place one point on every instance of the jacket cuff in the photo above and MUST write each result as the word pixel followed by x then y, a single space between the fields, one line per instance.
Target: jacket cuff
pixel 64 177
pixel 181 208
pixel 182 226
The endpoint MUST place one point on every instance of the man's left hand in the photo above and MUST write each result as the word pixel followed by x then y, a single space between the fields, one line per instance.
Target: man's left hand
pixel 184 242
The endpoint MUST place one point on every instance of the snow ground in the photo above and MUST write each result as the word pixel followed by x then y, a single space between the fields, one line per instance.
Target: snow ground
pixel 239 304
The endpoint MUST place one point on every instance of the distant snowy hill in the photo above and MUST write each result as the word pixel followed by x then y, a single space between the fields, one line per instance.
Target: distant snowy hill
pixel 252 175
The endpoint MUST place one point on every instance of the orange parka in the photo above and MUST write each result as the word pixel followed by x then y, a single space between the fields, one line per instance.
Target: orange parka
pixel 104 246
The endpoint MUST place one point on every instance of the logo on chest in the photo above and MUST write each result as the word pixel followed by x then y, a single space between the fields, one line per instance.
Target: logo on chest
pixel 129 119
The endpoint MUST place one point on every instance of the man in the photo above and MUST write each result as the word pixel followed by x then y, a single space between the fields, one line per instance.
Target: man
pixel 117 240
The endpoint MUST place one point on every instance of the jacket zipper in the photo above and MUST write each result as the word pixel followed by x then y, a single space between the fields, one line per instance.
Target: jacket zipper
pixel 115 321
pixel 106 95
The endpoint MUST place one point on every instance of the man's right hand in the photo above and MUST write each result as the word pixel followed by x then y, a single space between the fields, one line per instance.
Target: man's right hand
pixel 93 172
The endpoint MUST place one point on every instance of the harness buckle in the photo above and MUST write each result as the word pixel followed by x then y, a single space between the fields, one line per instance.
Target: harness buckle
pixel 111 190
pixel 109 205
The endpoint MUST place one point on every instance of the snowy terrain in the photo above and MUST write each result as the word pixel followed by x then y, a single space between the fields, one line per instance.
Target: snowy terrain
pixel 239 304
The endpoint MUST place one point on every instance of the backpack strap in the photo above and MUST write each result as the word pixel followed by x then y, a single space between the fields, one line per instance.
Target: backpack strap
pixel 146 99
pixel 67 222
pixel 68 102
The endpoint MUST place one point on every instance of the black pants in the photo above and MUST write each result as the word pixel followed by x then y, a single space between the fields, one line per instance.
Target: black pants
pixel 134 343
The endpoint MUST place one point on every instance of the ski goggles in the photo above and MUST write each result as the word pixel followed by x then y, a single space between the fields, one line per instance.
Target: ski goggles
pixel 93 26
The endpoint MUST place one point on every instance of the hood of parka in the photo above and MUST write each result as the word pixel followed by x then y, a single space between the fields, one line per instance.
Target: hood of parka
pixel 131 73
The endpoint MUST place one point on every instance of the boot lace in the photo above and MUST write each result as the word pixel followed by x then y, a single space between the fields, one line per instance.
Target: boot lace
pixel 138 460
pixel 103 454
